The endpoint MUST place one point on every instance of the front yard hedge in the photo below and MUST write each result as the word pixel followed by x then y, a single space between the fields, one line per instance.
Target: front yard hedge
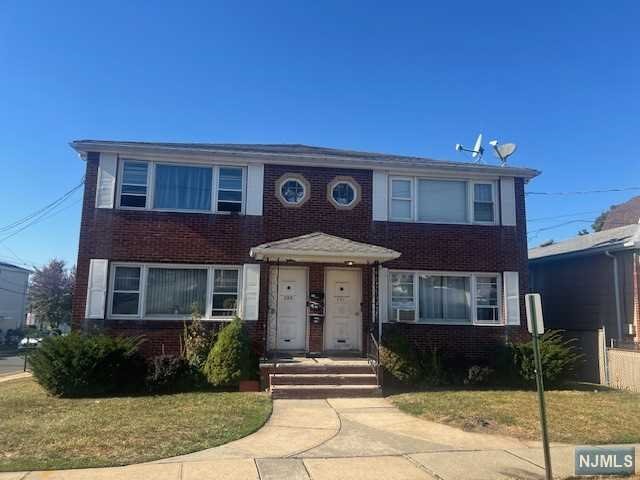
pixel 77 365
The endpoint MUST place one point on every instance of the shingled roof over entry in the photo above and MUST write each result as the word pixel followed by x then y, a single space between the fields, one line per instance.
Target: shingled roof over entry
pixel 321 247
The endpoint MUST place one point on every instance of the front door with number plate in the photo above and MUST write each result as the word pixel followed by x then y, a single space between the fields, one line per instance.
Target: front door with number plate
pixel 343 323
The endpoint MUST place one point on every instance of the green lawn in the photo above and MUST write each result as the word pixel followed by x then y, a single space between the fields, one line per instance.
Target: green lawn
pixel 575 416
pixel 42 432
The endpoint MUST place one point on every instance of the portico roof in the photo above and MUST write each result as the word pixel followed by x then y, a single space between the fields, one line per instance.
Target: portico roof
pixel 320 247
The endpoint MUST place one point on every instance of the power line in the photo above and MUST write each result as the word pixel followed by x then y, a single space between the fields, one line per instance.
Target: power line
pixel 45 214
pixel 551 227
pixel 42 211
pixel 586 192
pixel 542 219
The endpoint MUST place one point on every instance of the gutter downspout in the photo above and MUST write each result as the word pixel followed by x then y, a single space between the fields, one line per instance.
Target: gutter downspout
pixel 616 287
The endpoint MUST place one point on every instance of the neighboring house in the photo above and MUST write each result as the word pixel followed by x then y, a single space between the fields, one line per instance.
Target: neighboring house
pixel 591 281
pixel 14 283
pixel 314 248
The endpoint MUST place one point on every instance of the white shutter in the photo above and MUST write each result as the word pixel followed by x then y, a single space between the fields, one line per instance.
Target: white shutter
pixel 250 291
pixel 97 288
pixel 383 293
pixel 512 298
pixel 380 196
pixel 106 183
pixel 508 200
pixel 255 181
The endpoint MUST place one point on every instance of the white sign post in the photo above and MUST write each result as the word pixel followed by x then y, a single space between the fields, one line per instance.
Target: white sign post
pixel 535 323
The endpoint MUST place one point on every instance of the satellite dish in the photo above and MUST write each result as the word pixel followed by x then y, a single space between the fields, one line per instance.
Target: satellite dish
pixel 477 148
pixel 476 151
pixel 503 151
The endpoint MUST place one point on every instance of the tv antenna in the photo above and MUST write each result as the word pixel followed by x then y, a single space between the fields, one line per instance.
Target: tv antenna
pixel 476 151
pixel 503 151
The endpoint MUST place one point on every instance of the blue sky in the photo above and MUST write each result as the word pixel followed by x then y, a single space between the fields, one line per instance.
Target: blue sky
pixel 559 78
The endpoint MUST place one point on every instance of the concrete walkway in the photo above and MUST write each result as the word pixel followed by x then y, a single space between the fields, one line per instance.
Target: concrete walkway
pixel 349 439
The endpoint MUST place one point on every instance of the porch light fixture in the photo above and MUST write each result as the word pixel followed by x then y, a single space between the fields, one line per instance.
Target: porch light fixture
pixel 349 263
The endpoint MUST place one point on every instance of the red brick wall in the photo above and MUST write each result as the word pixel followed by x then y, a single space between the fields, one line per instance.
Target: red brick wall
pixel 202 238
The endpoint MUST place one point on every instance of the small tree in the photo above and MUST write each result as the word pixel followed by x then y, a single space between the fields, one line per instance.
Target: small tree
pixel 51 292
pixel 231 358
pixel 197 339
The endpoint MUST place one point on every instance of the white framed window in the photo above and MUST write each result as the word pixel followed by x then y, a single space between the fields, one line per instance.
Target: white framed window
pixel 230 188
pixel 134 184
pixel 179 187
pixel 484 205
pixel 486 299
pixel 126 290
pixel 173 291
pixel 445 298
pixel 403 298
pixel 435 200
pixel 401 199
pixel 226 290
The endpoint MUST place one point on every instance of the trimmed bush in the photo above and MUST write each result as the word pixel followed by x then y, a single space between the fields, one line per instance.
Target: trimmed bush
pixel 167 373
pixel 231 358
pixel 558 357
pixel 398 359
pixel 79 365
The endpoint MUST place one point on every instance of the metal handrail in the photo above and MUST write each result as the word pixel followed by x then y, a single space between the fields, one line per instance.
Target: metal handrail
pixel 374 358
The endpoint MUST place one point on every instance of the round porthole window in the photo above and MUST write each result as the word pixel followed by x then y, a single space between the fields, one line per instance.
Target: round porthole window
pixel 344 192
pixel 292 190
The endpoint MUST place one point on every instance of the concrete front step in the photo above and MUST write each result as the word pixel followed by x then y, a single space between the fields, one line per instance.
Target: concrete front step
pixel 323 379
pixel 283 368
pixel 324 391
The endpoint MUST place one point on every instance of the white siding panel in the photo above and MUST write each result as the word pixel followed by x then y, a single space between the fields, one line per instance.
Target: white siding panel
pixel 380 196
pixel 255 181
pixel 97 288
pixel 250 291
pixel 106 183
pixel 512 297
pixel 508 200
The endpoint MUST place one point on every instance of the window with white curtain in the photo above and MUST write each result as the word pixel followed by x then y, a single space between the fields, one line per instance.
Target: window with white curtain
pixel 445 298
pixel 442 201
pixel 179 187
pixel 176 291
pixel 483 204
pixel 433 200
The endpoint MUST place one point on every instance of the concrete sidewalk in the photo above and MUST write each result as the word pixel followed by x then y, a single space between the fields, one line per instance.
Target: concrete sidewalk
pixel 347 439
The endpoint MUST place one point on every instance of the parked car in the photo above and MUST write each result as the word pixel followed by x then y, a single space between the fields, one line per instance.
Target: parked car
pixel 29 342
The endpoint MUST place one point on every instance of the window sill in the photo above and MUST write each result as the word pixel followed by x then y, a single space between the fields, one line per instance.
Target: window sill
pixel 177 318
pixel 401 220
pixel 164 210
pixel 452 324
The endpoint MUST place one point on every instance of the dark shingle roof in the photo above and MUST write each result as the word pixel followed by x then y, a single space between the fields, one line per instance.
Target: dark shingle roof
pixel 294 150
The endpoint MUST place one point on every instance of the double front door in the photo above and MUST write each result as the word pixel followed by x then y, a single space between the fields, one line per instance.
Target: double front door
pixel 343 310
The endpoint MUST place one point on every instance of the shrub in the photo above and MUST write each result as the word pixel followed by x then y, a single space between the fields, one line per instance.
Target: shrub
pixel 558 358
pixel 231 358
pixel 167 373
pixel 432 370
pixel 399 359
pixel 197 340
pixel 77 365
pixel 478 375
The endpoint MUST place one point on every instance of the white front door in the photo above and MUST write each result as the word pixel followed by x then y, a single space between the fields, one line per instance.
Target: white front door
pixel 343 323
pixel 291 310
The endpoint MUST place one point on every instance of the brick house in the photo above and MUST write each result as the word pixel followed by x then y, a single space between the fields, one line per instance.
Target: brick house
pixel 318 250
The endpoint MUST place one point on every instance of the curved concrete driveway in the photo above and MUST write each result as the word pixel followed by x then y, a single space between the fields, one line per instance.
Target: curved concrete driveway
pixel 350 439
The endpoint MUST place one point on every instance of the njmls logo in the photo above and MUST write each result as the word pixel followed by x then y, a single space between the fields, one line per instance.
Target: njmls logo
pixel 605 461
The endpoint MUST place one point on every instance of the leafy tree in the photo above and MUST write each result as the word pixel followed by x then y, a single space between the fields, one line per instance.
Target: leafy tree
pixel 50 293
pixel 598 223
